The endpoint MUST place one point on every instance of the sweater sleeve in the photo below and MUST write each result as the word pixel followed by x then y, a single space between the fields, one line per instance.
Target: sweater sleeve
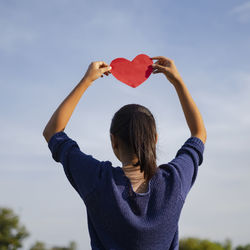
pixel 82 170
pixel 186 163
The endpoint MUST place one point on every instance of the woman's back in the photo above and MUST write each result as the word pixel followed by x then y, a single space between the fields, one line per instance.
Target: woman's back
pixel 118 217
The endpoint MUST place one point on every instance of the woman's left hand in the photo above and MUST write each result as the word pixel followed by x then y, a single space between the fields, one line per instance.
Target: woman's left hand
pixel 96 70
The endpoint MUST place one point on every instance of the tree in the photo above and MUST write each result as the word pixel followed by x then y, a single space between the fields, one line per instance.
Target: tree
pixel 11 232
pixel 38 246
pixel 41 246
pixel 72 246
pixel 227 245
pixel 246 247
pixel 197 244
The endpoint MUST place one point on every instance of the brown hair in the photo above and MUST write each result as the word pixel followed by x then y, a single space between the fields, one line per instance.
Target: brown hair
pixel 135 125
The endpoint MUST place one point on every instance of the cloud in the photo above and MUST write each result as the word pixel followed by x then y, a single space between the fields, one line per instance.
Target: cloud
pixel 242 11
pixel 14 30
pixel 11 39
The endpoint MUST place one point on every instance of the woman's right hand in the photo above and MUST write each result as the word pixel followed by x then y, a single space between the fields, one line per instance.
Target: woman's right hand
pixel 167 67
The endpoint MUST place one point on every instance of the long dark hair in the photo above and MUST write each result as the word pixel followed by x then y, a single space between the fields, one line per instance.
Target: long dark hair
pixel 135 125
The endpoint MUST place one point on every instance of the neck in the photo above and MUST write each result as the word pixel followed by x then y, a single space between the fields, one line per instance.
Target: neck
pixel 133 173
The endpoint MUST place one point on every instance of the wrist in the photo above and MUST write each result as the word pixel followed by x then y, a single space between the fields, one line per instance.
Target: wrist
pixel 174 79
pixel 86 81
pixel 177 81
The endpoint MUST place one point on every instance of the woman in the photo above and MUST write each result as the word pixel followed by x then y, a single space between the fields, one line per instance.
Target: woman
pixel 138 205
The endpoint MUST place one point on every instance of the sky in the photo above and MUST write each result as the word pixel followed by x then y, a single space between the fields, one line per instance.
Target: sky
pixel 45 49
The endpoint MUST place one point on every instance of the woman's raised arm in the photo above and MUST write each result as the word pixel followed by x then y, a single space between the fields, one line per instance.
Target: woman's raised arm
pixel 61 116
pixel 192 114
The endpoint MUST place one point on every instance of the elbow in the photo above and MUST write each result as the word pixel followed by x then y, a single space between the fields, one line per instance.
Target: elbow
pixel 202 135
pixel 204 139
pixel 45 134
pixel 48 132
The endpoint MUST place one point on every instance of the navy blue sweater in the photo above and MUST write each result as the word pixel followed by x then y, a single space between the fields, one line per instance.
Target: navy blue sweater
pixel 118 217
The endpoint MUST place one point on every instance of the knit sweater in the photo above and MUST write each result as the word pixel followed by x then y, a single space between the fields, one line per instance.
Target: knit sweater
pixel 119 218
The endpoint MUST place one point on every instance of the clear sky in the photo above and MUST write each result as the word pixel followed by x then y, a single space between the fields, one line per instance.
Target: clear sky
pixel 45 49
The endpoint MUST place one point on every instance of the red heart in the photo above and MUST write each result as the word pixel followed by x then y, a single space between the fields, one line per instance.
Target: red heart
pixel 132 73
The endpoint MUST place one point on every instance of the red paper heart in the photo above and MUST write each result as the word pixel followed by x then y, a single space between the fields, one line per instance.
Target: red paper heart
pixel 132 73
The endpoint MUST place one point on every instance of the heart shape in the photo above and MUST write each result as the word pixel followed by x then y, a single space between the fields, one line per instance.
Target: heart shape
pixel 132 73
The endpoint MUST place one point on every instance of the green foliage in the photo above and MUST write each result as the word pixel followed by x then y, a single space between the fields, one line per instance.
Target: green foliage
pixel 204 244
pixel 38 246
pixel 41 246
pixel 198 244
pixel 227 244
pixel 72 246
pixel 246 247
pixel 11 232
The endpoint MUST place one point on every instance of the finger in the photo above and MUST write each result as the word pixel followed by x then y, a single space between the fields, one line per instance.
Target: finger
pixel 157 71
pixel 101 64
pixel 162 58
pixel 105 69
pixel 154 69
pixel 157 66
pixel 156 57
